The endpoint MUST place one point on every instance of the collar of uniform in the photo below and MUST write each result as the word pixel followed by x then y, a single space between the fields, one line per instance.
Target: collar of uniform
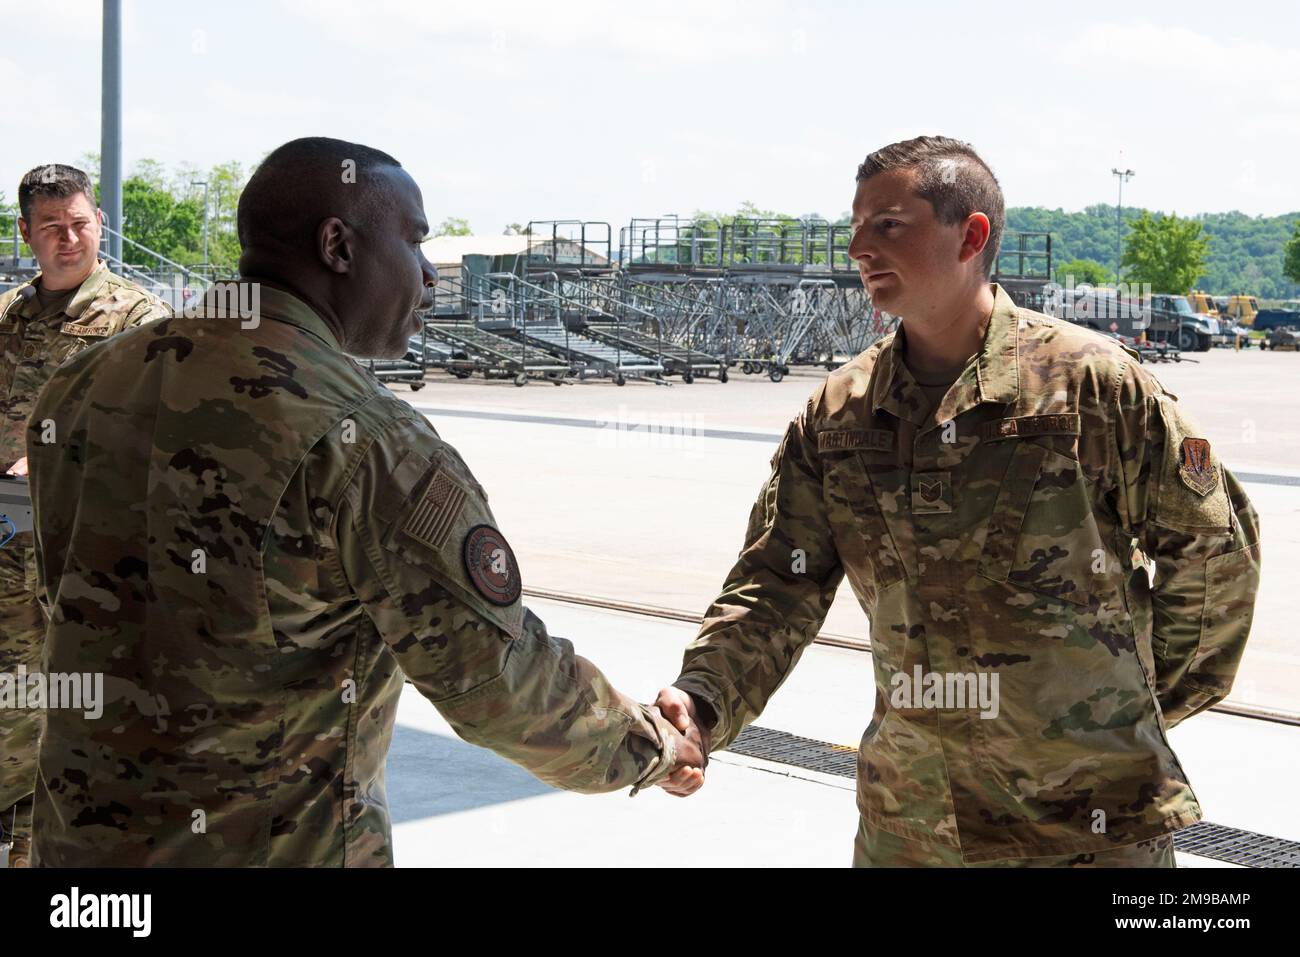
pixel 85 295
pixel 283 306
pixel 994 377
pixel 24 308
pixel 88 290
pixel 894 389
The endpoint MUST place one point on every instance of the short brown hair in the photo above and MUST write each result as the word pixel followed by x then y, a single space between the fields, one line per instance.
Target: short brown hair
pixel 55 181
pixel 951 175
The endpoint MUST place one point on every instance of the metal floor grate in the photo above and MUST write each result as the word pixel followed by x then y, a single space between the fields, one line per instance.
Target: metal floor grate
pixel 806 753
pixel 1215 841
pixel 1236 846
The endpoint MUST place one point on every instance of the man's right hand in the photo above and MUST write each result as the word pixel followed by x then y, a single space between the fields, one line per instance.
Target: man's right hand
pixel 18 468
pixel 679 708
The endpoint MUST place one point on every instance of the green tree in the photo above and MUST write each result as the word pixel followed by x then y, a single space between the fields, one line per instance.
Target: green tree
pixel 1084 271
pixel 152 217
pixel 454 226
pixel 1165 251
pixel 225 185
pixel 1291 256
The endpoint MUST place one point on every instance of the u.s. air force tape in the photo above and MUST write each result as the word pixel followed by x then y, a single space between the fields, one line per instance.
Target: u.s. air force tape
pixel 491 565
pixel 1061 423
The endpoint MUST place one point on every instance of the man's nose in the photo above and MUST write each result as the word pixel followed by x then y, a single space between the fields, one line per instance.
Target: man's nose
pixel 859 247
pixel 430 283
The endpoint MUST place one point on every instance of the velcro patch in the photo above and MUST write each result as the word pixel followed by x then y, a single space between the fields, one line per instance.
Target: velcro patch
pixel 931 492
pixel 100 327
pixel 491 565
pixel 844 440
pixel 431 521
pixel 1195 467
pixel 1062 423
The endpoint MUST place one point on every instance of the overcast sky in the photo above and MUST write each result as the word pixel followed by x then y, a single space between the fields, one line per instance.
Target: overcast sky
pixel 510 111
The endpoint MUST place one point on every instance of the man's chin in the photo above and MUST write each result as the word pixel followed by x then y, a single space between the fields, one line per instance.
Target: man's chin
pixel 65 274
pixel 378 351
pixel 887 299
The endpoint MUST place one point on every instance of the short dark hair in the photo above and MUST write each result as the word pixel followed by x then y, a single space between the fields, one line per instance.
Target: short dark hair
pixel 55 181
pixel 951 175
pixel 303 181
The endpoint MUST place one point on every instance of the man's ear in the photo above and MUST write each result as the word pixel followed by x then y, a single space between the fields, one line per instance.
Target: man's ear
pixel 334 239
pixel 975 236
pixel 23 230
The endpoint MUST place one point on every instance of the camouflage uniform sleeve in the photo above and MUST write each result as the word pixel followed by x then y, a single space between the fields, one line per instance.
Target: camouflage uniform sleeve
pixel 776 596
pixel 485 661
pixel 1192 517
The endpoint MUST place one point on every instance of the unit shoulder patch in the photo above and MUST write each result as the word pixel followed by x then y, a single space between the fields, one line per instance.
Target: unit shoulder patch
pixel 1195 467
pixel 491 565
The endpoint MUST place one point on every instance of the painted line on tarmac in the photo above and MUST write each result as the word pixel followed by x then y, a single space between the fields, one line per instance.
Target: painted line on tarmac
pixel 1259 478
pixel 1255 478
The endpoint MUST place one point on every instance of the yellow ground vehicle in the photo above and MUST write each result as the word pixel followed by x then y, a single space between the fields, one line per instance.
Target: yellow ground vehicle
pixel 1240 309
pixel 1203 303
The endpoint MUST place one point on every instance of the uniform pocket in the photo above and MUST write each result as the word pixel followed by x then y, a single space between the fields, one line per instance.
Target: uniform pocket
pixel 11 351
pixel 1042 535
pixel 854 491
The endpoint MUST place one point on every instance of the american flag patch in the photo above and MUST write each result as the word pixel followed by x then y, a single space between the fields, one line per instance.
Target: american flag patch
pixel 431 520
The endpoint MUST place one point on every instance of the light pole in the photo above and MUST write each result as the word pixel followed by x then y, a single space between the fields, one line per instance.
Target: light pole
pixel 204 184
pixel 110 126
pixel 1123 176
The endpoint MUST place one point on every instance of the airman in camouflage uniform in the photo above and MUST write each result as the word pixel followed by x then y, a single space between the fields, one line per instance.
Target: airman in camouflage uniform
pixel 39 329
pixel 268 542
pixel 999 530
pixel 1017 548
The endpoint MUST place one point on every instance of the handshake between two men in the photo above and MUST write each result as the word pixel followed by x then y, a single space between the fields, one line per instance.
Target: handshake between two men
pixel 690 717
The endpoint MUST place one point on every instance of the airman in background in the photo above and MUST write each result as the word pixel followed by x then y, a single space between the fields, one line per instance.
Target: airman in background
pixel 71 304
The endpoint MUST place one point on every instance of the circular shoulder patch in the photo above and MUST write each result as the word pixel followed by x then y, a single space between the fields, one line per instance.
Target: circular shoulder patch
pixel 491 565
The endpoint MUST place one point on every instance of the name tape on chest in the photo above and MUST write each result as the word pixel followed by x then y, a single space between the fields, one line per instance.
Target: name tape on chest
pixel 1061 423
pixel 847 440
